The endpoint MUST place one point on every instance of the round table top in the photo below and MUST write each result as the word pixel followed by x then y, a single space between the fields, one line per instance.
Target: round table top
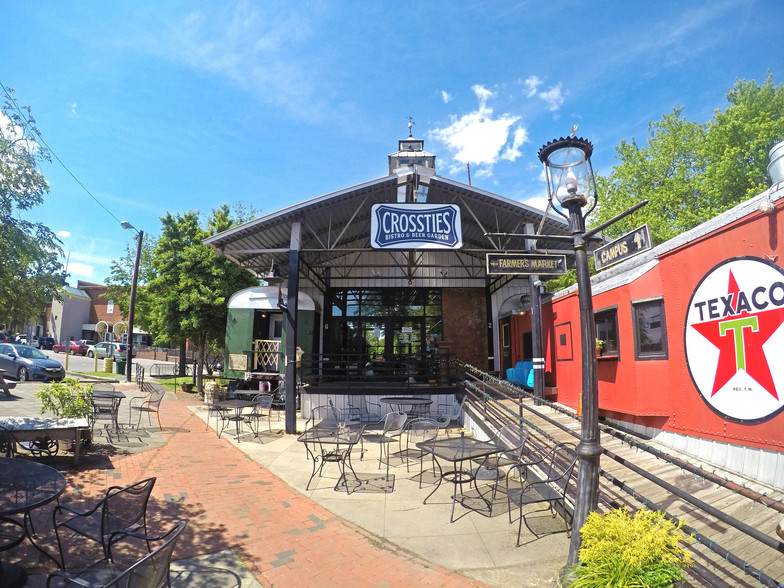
pixel 108 394
pixel 405 400
pixel 234 403
pixel 25 485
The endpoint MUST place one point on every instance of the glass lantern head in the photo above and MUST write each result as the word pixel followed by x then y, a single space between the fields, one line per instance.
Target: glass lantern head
pixel 567 164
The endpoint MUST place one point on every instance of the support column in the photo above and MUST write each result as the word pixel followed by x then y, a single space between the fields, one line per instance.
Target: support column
pixel 290 318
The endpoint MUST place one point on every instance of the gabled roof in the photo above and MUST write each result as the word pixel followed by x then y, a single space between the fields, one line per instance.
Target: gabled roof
pixel 336 226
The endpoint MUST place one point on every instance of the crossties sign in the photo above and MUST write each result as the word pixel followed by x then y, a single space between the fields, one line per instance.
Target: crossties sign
pixel 416 226
pixel 734 339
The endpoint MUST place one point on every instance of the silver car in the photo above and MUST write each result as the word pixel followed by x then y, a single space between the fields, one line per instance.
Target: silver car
pixel 109 349
pixel 27 363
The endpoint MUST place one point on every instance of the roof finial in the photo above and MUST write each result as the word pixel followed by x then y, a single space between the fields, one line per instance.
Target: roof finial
pixel 411 123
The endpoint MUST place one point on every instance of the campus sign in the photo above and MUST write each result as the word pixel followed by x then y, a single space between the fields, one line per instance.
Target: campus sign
pixel 525 264
pixel 734 339
pixel 623 248
pixel 416 226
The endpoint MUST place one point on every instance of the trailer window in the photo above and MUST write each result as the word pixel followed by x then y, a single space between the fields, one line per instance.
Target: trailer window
pixel 650 329
pixel 607 331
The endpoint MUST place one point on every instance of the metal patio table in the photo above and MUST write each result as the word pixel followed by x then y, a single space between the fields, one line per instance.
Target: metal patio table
pixel 331 445
pixel 115 397
pixel 24 486
pixel 236 406
pixel 457 450
pixel 417 406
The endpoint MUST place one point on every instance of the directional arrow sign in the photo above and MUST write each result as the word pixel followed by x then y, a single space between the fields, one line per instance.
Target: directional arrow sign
pixel 525 264
pixel 629 245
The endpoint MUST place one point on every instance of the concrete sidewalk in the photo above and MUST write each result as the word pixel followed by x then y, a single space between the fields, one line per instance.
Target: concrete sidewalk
pixel 250 521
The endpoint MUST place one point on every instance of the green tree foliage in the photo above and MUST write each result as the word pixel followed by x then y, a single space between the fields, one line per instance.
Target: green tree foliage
pixel 121 276
pixel 666 171
pixel 188 294
pixel 691 172
pixel 30 271
pixel 738 142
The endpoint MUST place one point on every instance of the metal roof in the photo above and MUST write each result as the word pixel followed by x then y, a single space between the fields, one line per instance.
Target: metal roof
pixel 336 231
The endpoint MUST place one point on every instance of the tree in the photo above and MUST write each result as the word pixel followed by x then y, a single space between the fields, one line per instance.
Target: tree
pixel 739 140
pixel 30 272
pixel 691 172
pixel 666 171
pixel 188 295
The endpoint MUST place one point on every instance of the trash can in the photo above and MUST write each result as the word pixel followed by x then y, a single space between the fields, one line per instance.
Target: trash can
pixel 119 366
pixel 108 362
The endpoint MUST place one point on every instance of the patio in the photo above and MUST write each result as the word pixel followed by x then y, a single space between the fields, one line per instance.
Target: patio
pixel 364 538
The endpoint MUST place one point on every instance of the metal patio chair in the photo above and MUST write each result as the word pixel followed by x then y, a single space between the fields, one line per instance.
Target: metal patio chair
pixel 121 509
pixel 261 410
pixel 151 403
pixel 446 414
pixel 554 472
pixel 151 571
pixel 394 425
pixel 418 431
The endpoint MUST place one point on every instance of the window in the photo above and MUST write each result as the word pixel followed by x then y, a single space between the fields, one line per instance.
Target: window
pixel 650 329
pixel 110 307
pixel 607 331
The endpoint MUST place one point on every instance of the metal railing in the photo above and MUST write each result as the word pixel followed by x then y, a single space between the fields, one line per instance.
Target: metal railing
pixel 139 376
pixel 361 371
pixel 490 397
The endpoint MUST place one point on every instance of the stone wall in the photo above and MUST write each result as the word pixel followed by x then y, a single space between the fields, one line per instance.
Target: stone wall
pixel 464 314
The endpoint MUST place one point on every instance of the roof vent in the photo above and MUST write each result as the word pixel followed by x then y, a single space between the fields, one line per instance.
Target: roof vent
pixel 776 165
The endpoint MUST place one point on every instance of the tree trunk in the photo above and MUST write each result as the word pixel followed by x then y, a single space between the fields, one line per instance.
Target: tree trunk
pixel 200 363
pixel 183 363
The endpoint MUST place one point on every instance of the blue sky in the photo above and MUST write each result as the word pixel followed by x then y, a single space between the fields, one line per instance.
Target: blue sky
pixel 172 106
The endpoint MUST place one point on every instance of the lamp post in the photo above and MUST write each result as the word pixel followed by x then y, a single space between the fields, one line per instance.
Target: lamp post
pixel 132 301
pixel 567 164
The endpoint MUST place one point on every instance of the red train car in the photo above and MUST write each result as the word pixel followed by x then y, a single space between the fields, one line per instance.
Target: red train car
pixel 692 336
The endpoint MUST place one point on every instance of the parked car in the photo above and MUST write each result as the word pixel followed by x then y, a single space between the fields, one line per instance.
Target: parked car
pixel 109 349
pixel 45 342
pixel 73 347
pixel 27 363
pixel 87 342
pixel 21 339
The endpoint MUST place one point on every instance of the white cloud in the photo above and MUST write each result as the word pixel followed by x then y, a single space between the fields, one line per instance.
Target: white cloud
pixel 532 84
pixel 480 138
pixel 258 48
pixel 553 97
pixel 74 108
pixel 80 269
pixel 63 234
pixel 446 96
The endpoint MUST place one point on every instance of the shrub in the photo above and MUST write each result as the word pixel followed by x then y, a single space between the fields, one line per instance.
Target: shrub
pixel 68 398
pixel 635 551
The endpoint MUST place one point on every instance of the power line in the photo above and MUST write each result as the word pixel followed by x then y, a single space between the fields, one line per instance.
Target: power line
pixel 50 150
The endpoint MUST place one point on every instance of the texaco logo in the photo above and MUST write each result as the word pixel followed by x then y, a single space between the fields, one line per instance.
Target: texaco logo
pixel 734 339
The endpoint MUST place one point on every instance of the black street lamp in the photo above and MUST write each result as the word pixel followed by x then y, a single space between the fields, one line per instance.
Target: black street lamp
pixel 570 179
pixel 132 301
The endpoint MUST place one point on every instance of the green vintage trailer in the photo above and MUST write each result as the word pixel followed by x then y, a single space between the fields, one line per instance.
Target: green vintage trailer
pixel 256 337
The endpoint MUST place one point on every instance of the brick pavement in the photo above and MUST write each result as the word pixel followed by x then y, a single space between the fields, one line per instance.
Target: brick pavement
pixel 231 502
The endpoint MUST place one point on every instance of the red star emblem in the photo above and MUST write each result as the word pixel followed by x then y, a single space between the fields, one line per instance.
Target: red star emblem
pixel 739 339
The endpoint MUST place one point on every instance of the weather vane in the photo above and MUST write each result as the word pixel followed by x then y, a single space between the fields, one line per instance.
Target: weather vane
pixel 411 123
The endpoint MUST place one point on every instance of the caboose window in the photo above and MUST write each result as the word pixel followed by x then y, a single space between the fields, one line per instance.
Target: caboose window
pixel 607 331
pixel 650 329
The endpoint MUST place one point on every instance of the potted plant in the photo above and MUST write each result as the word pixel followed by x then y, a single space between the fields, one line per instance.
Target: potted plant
pixel 68 398
pixel 599 347
pixel 619 549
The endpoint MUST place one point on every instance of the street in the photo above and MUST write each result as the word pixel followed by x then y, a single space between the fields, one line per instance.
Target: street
pixel 78 363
